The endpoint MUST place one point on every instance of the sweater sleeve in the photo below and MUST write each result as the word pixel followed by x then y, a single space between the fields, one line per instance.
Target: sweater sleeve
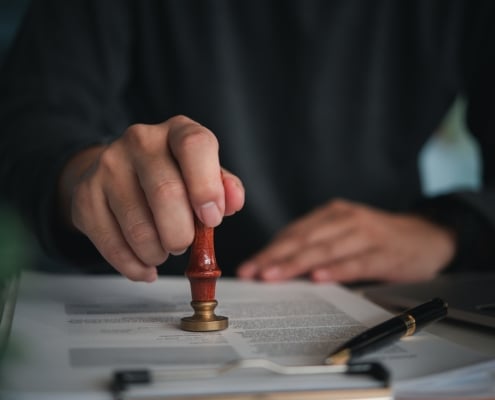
pixel 472 213
pixel 60 92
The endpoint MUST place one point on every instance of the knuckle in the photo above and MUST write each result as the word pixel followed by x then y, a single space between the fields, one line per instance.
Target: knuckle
pixel 136 131
pixel 180 119
pixel 113 251
pixel 197 136
pixel 141 137
pixel 134 128
pixel 141 233
pixel 109 160
pixel 168 189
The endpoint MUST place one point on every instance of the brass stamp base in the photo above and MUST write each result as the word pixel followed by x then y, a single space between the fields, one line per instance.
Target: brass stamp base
pixel 204 318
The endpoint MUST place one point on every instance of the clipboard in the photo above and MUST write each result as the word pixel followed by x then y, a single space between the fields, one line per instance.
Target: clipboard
pixel 125 384
pixel 356 394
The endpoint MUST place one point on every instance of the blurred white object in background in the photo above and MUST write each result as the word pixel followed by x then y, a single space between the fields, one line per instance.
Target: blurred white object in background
pixel 451 158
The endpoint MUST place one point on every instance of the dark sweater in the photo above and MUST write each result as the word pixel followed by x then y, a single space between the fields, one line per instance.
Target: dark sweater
pixel 310 100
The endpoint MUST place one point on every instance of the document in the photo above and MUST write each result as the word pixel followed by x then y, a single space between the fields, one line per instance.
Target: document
pixel 472 382
pixel 70 333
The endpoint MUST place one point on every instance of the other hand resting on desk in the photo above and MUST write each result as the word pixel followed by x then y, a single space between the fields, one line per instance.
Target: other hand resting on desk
pixel 344 241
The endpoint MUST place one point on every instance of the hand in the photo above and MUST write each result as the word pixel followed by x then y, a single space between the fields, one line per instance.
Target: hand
pixel 346 242
pixel 135 198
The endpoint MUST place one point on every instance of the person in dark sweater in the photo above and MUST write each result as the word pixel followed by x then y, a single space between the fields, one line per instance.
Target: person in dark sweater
pixel 300 121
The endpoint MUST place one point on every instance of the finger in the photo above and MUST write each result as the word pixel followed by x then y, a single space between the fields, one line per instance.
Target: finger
pixel 348 245
pixel 267 258
pixel 92 217
pixel 336 225
pixel 129 206
pixel 196 150
pixel 366 266
pixel 234 192
pixel 325 224
pixel 164 189
pixel 289 250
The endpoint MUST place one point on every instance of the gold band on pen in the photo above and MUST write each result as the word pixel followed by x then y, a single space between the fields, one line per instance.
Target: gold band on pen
pixel 410 323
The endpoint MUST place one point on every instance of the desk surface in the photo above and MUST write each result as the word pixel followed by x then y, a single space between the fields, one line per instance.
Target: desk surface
pixel 474 337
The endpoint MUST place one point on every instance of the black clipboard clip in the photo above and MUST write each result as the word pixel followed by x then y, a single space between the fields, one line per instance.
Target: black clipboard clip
pixel 123 380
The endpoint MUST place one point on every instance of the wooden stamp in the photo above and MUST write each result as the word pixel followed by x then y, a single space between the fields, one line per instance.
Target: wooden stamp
pixel 203 272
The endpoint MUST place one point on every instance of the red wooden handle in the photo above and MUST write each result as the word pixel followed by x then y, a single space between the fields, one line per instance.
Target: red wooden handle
pixel 202 270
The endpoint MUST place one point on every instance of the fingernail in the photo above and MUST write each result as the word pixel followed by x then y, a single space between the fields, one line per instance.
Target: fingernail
pixel 210 214
pixel 178 252
pixel 239 184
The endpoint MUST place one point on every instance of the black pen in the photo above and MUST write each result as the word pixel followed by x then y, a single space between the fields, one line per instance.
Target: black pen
pixel 405 324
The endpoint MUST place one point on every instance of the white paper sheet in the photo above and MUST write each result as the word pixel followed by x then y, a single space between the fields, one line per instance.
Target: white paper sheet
pixel 471 382
pixel 72 332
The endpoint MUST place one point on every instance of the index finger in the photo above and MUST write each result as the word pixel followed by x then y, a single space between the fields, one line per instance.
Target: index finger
pixel 195 148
